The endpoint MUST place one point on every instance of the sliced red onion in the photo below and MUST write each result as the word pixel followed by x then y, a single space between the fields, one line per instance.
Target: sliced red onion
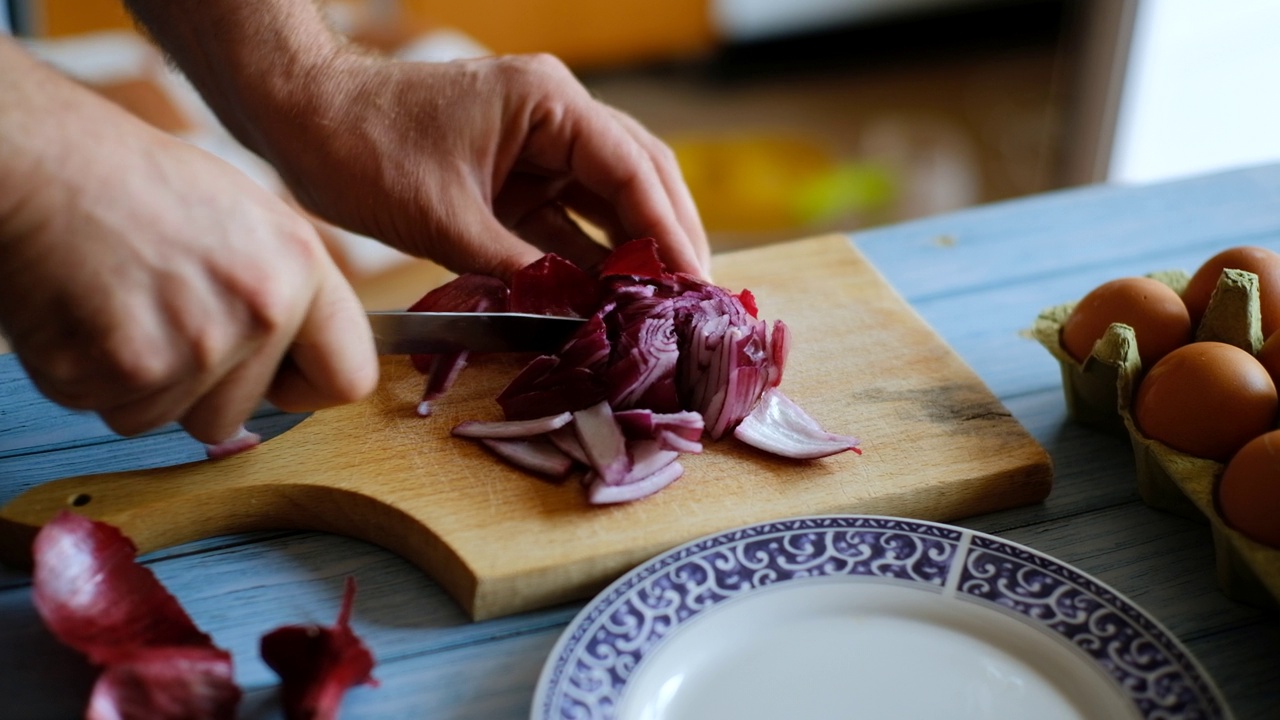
pixel 672 356
pixel 512 428
pixel 639 423
pixel 603 442
pixel 779 346
pixel 602 493
pixel 534 455
pixel 552 285
pixel 318 664
pixel 566 438
pixel 465 293
pixel 637 259
pixel 673 441
pixel 649 354
pixel 779 426
pixel 444 371
pixel 647 458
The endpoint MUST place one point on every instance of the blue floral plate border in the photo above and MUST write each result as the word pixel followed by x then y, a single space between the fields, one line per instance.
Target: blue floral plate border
pixel 599 651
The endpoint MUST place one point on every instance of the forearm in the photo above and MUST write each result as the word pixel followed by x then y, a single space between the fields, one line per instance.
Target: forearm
pixel 20 128
pixel 256 62
pixel 41 110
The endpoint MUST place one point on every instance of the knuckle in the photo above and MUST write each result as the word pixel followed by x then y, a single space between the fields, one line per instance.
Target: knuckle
pixel 544 66
pixel 142 371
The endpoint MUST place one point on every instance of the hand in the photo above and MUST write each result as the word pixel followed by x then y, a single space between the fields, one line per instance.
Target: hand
pixel 475 163
pixel 148 281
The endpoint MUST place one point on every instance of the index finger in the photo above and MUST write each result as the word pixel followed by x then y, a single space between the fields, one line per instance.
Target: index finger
pixel 668 168
pixel 587 141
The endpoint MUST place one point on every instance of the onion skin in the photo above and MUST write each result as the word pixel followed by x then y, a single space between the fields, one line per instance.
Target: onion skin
pixel 94 597
pixel 317 664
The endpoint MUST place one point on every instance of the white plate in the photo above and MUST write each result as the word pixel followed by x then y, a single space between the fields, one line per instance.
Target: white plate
pixel 864 616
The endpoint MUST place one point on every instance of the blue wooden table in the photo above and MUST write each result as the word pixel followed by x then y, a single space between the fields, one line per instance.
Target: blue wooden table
pixel 979 277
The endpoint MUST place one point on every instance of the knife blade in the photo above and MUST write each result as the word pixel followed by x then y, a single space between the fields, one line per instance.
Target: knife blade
pixel 403 333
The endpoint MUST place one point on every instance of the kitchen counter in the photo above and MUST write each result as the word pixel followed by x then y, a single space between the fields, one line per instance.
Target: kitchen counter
pixel 979 277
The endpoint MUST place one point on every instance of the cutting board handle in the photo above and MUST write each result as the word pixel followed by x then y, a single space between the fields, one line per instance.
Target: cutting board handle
pixel 267 488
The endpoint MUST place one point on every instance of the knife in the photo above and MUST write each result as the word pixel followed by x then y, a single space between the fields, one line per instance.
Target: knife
pixel 406 333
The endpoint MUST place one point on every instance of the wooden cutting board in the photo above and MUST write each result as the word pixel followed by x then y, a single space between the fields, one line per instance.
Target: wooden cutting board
pixel 937 445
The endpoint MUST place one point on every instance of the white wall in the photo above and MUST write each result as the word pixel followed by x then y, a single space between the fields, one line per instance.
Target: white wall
pixel 747 20
pixel 1202 92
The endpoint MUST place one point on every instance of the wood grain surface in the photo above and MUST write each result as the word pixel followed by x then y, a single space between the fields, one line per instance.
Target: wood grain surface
pixel 938 445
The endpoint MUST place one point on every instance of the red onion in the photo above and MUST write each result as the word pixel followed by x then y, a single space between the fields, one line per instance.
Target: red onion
pixel 602 441
pixel 465 293
pixel 781 427
pixel 317 664
pixel 535 455
pixel 95 598
pixel 602 493
pixel 512 428
pixel 663 359
pixel 156 664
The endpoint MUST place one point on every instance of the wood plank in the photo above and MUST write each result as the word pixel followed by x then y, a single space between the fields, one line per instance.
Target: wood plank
pixel 1034 237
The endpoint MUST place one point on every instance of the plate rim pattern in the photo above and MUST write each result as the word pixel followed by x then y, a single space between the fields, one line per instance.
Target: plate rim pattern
pixel 1151 667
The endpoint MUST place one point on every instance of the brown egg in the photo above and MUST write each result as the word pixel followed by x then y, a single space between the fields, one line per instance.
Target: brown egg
pixel 1206 399
pixel 1269 356
pixel 1249 491
pixel 1159 318
pixel 1260 261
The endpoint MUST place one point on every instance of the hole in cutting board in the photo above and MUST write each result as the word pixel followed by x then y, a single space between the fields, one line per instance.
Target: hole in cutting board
pixel 80 499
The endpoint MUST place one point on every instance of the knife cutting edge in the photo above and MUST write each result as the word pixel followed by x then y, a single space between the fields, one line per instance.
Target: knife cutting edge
pixel 403 333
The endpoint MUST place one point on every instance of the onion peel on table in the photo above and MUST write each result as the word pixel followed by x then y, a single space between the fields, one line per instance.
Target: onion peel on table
pixel 94 597
pixel 318 664
pixel 663 359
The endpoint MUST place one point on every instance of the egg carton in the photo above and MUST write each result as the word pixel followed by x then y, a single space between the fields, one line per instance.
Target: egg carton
pixel 1099 393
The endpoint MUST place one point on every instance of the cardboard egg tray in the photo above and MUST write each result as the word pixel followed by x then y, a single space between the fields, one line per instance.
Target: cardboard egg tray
pixel 1099 393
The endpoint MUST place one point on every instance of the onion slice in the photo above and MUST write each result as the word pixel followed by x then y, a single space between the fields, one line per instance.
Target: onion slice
pixel 534 455
pixel 603 493
pixel 779 426
pixel 603 442
pixel 512 428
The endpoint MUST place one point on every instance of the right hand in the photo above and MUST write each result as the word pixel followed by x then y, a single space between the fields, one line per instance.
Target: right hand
pixel 148 281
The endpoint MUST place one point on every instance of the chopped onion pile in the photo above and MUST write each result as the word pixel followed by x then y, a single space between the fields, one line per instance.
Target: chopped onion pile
pixel 624 459
pixel 663 359
pixel 94 597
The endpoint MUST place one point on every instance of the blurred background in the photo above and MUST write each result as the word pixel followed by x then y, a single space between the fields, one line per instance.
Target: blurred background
pixel 807 116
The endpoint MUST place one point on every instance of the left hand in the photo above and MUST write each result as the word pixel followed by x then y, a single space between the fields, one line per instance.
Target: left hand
pixel 475 163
